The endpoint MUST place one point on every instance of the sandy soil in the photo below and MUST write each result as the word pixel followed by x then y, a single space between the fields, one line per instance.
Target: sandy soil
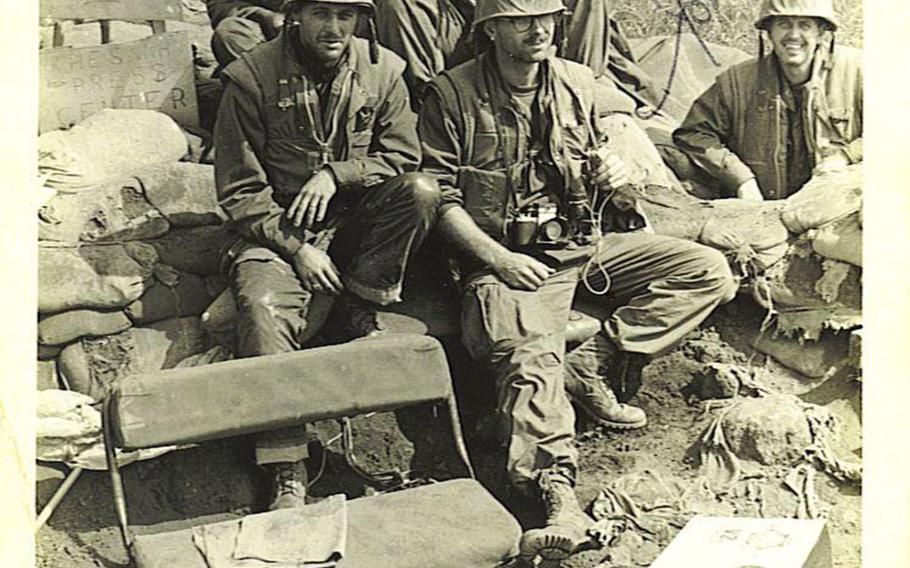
pixel 219 477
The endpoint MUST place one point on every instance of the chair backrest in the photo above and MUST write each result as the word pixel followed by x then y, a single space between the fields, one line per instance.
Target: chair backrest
pixel 230 398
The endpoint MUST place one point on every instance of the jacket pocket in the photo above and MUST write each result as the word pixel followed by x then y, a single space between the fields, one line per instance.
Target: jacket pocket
pixel 841 122
pixel 485 195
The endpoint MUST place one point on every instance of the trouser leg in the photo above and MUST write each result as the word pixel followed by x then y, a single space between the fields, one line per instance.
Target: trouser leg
pixel 386 227
pixel 272 316
pixel 666 287
pixel 233 36
pixel 426 33
pixel 520 336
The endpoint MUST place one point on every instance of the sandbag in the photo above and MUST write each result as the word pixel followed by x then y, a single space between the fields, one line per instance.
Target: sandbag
pixel 97 276
pixel 64 327
pixel 91 365
pixel 813 359
pixel 108 145
pixel 823 199
pixel 841 240
pixel 187 297
pixel 750 232
pixel 184 192
pixel 115 211
pixel 195 249
pixel 637 151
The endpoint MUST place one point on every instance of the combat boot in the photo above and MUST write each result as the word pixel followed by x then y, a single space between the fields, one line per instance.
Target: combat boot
pixel 289 485
pixel 566 525
pixel 598 400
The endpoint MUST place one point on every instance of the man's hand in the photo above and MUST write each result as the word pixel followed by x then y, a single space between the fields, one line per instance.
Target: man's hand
pixel 521 271
pixel 749 191
pixel 316 270
pixel 270 22
pixel 312 202
pixel 836 162
pixel 608 169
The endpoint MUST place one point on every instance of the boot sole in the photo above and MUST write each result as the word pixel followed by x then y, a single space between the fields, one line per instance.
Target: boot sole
pixel 610 423
pixel 548 545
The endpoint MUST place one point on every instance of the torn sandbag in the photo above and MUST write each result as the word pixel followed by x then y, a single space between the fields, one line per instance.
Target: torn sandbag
pixel 771 430
pixel 802 280
pixel 187 296
pixel 93 276
pixel 184 192
pixel 108 145
pixel 638 153
pixel 193 249
pixel 823 199
pixel 93 365
pixel 841 240
pixel 812 358
pixel 750 233
pixel 64 327
pixel 117 211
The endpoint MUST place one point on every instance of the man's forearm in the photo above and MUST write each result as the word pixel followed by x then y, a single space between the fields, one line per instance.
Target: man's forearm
pixel 460 230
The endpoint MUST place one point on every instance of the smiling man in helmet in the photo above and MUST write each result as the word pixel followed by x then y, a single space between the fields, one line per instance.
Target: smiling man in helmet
pixel 767 126
pixel 315 152
pixel 510 135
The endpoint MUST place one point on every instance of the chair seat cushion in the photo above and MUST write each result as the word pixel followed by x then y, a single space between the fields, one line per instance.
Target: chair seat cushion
pixel 453 524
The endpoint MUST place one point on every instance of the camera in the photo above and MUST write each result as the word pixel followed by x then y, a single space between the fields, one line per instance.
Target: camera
pixel 546 225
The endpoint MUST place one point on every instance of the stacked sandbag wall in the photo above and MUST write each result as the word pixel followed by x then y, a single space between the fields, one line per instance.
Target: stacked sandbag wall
pixel 128 254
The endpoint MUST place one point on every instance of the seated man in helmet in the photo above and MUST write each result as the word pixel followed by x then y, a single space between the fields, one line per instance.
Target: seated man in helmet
pixel 767 126
pixel 516 140
pixel 241 25
pixel 316 147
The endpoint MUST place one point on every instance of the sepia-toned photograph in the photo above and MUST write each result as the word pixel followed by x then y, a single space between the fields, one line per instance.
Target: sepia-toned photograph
pixel 448 284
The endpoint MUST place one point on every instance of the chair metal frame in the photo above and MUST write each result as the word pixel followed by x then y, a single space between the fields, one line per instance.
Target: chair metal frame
pixel 119 493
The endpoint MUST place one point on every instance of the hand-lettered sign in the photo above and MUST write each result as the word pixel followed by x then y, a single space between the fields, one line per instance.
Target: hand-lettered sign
pixel 152 73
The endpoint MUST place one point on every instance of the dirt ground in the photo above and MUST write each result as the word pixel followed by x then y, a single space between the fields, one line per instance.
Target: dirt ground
pixel 203 482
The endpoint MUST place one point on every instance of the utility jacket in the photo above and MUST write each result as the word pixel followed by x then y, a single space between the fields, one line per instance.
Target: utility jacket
pixel 475 146
pixel 273 133
pixel 221 9
pixel 737 129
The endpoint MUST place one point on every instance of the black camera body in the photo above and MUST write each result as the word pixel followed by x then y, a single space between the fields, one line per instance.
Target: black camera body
pixel 545 225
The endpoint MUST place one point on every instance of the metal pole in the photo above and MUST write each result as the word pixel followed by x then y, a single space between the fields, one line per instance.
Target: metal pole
pixel 58 496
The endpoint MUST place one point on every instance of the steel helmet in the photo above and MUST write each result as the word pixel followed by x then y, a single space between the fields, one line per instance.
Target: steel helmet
pixel 368 4
pixel 823 9
pixel 489 9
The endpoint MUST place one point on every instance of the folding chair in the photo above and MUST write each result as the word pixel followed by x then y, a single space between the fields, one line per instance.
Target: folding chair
pixel 455 523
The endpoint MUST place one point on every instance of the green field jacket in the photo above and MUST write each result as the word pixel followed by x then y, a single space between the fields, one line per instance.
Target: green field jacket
pixel 737 129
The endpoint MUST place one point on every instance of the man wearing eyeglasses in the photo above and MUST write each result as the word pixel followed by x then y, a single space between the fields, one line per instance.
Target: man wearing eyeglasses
pixel 516 139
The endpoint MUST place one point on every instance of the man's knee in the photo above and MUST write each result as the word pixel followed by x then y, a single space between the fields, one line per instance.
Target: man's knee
pixel 717 270
pixel 423 191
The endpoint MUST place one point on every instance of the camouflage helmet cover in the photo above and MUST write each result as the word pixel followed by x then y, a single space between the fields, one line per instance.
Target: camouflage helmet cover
pixel 823 9
pixel 489 9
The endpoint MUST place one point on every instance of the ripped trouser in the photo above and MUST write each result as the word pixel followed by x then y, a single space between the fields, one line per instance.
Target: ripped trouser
pixel 666 288
pixel 371 249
